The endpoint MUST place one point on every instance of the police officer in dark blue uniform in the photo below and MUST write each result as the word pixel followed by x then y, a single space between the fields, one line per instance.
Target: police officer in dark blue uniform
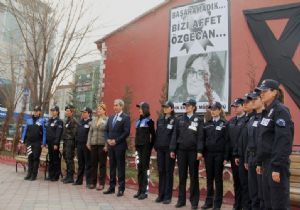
pixel 34 135
pixel 165 164
pixel 187 143
pixel 276 132
pixel 234 128
pixel 54 128
pixel 144 141
pixel 68 137
pixel 254 180
pixel 83 153
pixel 241 152
pixel 216 154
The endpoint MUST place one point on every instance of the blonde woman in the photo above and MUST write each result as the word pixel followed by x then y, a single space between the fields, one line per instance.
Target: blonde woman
pixel 97 145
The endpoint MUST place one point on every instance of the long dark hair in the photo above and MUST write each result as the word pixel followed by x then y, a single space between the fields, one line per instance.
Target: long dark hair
pixel 188 65
pixel 216 71
pixel 280 95
pixel 172 113
pixel 207 115
pixel 223 114
pixel 146 112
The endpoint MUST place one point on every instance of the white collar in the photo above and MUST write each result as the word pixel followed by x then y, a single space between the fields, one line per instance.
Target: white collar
pixel 241 115
pixel 119 114
pixel 189 115
pixel 216 119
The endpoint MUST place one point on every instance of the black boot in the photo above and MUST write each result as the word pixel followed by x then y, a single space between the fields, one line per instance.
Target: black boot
pixel 206 206
pixel 159 199
pixel 137 194
pixel 33 177
pixel 68 180
pixel 142 196
pixel 109 191
pixel 54 179
pixel 28 176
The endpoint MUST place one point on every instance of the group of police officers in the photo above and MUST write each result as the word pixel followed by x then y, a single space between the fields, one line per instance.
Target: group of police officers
pixel 257 142
pixel 74 135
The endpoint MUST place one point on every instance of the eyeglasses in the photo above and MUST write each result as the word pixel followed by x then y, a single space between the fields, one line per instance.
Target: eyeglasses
pixel 199 74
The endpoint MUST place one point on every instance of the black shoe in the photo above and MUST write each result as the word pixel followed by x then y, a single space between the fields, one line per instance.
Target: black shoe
pixel 78 182
pixel 167 201
pixel 120 193
pixel 142 196
pixel 100 187
pixel 109 191
pixel 206 206
pixel 48 178
pixel 179 205
pixel 54 179
pixel 137 194
pixel 158 199
pixel 194 207
pixel 216 208
pixel 91 186
pixel 32 178
pixel 27 177
pixel 68 181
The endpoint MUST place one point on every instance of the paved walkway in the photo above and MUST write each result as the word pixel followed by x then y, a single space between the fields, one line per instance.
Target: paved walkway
pixel 15 194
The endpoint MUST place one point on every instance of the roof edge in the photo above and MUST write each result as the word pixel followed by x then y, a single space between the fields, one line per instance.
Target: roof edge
pixel 133 21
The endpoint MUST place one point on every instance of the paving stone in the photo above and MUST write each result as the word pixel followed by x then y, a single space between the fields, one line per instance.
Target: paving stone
pixel 18 194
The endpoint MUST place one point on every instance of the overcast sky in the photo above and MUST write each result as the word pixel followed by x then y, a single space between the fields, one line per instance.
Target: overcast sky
pixel 111 15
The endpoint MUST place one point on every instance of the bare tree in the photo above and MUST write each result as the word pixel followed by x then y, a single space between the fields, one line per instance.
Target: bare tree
pixel 127 98
pixel 11 88
pixel 163 98
pixel 53 35
pixel 209 95
pixel 19 123
pixel 251 73
pixel 208 89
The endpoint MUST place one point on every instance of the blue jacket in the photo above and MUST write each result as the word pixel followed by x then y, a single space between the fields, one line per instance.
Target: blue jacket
pixel 34 131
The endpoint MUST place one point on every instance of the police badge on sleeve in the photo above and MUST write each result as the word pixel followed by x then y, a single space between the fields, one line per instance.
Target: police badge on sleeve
pixel 281 123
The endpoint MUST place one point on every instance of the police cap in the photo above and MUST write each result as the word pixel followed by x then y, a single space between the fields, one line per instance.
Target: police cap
pixel 191 102
pixel 37 109
pixel 168 104
pixel 55 108
pixel 237 102
pixel 70 106
pixel 253 95
pixel 215 105
pixel 268 84
pixel 143 105
pixel 87 109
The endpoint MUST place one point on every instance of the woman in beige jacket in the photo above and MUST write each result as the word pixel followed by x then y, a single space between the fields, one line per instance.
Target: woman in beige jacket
pixel 96 143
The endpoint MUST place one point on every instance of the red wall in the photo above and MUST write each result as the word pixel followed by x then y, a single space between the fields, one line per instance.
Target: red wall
pixel 137 56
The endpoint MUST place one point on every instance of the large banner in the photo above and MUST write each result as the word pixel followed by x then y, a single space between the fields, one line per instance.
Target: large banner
pixel 199 54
